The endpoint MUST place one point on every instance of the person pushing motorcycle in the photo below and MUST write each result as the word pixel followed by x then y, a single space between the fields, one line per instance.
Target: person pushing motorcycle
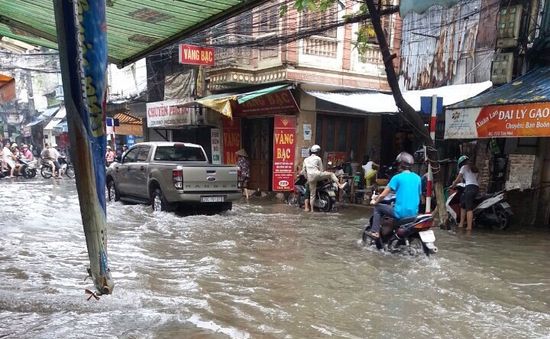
pixel 408 189
pixel 467 173
pixel 313 170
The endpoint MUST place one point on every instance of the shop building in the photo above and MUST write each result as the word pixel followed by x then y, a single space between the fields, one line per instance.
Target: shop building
pixel 325 62
pixel 503 130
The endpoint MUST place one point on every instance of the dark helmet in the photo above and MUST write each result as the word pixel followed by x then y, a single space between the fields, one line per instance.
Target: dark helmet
pixel 405 160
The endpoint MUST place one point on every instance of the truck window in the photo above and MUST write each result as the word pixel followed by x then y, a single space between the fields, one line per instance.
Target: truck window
pixel 179 153
pixel 131 155
pixel 143 153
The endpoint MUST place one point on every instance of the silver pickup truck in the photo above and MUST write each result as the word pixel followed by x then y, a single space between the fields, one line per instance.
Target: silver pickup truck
pixel 165 174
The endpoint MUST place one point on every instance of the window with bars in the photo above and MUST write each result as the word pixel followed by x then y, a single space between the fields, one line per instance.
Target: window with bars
pixel 320 19
pixel 269 20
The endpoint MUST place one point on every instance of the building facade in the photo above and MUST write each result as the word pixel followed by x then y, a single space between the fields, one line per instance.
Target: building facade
pixel 288 57
pixel 498 41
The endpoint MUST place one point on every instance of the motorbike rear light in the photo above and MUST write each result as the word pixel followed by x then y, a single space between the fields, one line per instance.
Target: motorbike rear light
pixel 424 224
pixel 177 178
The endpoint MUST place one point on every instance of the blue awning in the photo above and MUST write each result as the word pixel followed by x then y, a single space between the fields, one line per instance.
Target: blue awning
pixel 33 123
pixel 46 115
pixel 533 86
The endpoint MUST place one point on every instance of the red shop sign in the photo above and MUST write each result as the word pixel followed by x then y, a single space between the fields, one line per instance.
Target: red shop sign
pixel 195 55
pixel 275 103
pixel 231 139
pixel 284 151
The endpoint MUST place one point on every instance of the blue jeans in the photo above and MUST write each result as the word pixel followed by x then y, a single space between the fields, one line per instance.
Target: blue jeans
pixel 381 210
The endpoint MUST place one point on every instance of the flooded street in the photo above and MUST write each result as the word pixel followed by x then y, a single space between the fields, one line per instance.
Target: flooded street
pixel 262 270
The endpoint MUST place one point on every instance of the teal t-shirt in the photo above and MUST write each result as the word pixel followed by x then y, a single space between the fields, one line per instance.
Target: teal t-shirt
pixel 407 187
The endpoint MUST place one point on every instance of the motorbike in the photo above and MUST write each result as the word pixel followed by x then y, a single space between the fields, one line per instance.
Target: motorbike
pixel 411 235
pixel 490 209
pixel 325 198
pixel 27 168
pixel 47 168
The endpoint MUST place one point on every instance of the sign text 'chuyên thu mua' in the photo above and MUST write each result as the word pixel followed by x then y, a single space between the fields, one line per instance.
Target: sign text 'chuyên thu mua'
pixel 168 113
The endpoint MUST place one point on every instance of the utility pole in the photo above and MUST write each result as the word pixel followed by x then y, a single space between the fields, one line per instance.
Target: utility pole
pixel 408 113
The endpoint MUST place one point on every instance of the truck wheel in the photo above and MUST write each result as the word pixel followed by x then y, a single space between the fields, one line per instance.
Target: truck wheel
pixel 158 202
pixel 112 192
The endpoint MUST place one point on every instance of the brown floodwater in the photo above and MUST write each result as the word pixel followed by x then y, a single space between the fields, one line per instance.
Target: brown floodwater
pixel 263 270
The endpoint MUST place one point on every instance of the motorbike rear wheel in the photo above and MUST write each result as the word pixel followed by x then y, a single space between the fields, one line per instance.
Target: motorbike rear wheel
pixel 416 247
pixel 69 171
pixel 28 172
pixel 450 222
pixel 503 219
pixel 46 172
pixel 326 202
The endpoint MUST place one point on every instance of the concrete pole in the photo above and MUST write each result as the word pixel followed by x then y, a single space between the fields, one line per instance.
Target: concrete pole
pixel 429 184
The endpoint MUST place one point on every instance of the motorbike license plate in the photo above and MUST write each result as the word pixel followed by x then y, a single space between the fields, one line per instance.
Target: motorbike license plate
pixel 213 199
pixel 505 205
pixel 427 236
pixel 331 193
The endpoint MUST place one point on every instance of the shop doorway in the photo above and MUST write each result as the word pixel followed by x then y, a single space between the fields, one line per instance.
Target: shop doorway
pixel 258 143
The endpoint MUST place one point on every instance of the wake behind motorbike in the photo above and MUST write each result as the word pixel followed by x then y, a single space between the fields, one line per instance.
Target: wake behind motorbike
pixel 325 197
pixel 411 235
pixel 490 209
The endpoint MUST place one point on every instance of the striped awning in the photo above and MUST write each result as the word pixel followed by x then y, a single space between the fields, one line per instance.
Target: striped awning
pixel 135 28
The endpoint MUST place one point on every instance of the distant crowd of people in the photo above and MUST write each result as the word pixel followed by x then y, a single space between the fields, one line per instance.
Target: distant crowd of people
pixel 12 156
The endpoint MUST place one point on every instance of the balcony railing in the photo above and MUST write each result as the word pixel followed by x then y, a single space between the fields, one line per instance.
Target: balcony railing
pixel 232 56
pixel 320 46
pixel 371 55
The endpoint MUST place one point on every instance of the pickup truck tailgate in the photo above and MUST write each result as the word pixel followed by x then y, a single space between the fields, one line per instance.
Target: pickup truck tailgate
pixel 211 179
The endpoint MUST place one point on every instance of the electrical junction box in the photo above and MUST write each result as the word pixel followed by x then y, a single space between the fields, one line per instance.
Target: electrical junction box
pixel 508 25
pixel 501 70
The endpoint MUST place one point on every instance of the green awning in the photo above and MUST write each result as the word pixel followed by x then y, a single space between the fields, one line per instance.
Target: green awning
pixel 222 102
pixel 135 28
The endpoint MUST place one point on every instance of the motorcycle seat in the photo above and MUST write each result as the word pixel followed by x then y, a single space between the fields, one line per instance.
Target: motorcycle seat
pixel 404 221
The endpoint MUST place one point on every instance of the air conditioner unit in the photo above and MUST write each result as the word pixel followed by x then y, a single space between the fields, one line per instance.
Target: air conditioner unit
pixel 508 25
pixel 501 70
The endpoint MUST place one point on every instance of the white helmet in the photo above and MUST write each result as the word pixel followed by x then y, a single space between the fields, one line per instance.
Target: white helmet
pixel 405 160
pixel 315 149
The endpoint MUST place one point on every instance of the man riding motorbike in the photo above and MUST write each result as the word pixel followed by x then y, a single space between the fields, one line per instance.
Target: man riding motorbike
pixel 407 188
pixel 313 170
pixel 51 155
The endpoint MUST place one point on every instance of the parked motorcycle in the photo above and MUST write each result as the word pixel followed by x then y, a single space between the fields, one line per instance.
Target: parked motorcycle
pixel 325 198
pixel 47 168
pixel 411 235
pixel 491 209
